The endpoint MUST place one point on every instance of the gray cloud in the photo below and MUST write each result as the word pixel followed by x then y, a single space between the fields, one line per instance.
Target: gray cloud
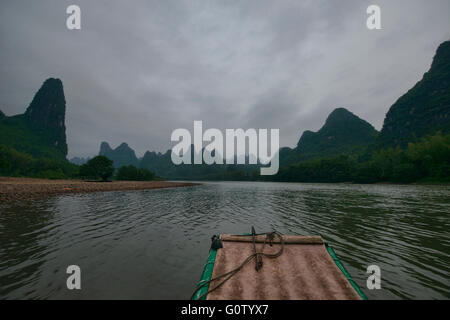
pixel 139 69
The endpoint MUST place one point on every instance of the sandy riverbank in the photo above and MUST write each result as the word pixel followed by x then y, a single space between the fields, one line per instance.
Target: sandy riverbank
pixel 23 188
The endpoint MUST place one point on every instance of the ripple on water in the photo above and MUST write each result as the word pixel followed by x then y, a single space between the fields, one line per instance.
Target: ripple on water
pixel 153 244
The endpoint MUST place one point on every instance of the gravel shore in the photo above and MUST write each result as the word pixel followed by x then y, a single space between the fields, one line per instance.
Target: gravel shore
pixel 23 188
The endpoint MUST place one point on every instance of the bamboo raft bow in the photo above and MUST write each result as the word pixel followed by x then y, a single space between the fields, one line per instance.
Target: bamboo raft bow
pixel 295 267
pixel 257 255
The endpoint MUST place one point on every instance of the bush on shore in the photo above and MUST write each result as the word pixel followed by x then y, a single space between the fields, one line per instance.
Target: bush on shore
pixel 19 164
pixel 132 173
pixel 99 167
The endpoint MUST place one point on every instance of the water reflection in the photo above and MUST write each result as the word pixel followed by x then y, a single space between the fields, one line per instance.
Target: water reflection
pixel 22 251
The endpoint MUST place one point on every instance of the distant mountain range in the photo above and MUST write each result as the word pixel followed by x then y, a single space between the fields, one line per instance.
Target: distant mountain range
pixel 123 155
pixel 343 132
pixel 161 164
pixel 423 110
pixel 79 160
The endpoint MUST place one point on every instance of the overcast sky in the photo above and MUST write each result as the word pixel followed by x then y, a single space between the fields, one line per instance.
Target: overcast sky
pixel 137 70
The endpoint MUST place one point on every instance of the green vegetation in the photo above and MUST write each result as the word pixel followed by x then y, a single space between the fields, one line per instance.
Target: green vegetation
pixel 424 109
pixel 18 164
pixel 343 132
pixel 40 131
pixel 46 114
pixel 33 144
pixel 425 161
pixel 99 167
pixel 16 133
pixel 132 173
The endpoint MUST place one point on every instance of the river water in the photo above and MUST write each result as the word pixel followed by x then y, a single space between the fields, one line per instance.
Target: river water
pixel 153 244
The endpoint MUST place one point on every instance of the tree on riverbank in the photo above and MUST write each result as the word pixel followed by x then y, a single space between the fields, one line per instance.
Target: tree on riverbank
pixel 132 173
pixel 98 167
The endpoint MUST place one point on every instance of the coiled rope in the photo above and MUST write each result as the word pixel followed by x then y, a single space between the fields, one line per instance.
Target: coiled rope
pixel 256 254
